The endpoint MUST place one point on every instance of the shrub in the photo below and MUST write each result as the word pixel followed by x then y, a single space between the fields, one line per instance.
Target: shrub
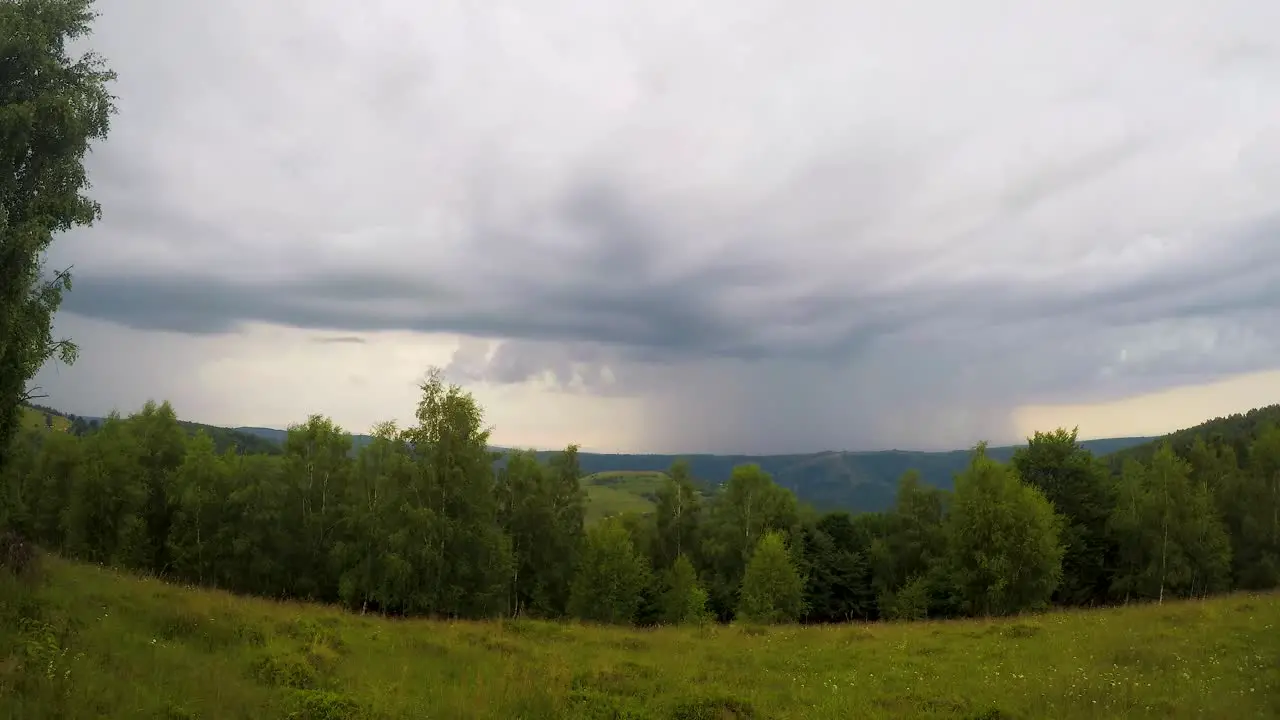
pixel 320 705
pixel 285 670
pixel 16 554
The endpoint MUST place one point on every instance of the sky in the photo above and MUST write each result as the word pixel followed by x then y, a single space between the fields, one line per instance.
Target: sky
pixel 728 226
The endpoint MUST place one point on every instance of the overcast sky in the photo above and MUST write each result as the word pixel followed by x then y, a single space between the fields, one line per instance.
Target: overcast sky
pixel 662 226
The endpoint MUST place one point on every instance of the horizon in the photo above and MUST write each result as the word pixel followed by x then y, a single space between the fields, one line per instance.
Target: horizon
pixel 1081 437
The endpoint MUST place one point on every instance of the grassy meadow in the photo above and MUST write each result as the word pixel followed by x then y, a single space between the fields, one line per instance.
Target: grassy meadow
pixel 101 643
pixel 32 418
pixel 616 492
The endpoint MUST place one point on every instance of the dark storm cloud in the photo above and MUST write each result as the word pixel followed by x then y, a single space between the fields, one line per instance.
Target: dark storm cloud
pixel 832 226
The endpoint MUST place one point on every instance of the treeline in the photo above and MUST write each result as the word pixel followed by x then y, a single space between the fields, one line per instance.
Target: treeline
pixel 223 438
pixel 420 522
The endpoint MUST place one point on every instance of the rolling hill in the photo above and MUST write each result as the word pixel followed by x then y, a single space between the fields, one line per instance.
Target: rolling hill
pixel 37 416
pixel 855 481
pixel 1236 430
pixel 40 417
pixel 618 492
pixel 848 480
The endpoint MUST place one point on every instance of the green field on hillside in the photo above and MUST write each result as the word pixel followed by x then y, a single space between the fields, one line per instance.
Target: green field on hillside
pixel 33 418
pixel 621 491
pixel 105 644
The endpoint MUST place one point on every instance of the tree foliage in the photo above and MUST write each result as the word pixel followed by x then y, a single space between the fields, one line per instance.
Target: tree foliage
pixel 1078 485
pixel 1003 543
pixel 423 520
pixel 772 589
pixel 52 107
pixel 683 599
pixel 611 575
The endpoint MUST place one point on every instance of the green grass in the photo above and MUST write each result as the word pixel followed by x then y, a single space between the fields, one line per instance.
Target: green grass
pixel 110 645
pixel 621 491
pixel 32 418
pixel 639 482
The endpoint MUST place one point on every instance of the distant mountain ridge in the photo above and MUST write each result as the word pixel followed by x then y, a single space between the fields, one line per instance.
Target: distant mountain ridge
pixel 844 480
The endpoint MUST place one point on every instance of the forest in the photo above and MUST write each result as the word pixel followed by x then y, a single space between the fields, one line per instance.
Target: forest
pixel 421 521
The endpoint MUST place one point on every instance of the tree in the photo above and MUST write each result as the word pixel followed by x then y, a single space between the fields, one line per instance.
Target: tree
pixel 610 577
pixel 200 526
pixel 368 521
pixel 102 516
pixel 1002 540
pixel 52 106
pixel 318 467
pixel 1078 486
pixel 541 509
pixel 911 550
pixel 1257 506
pixel 19 492
pixel 677 515
pixel 59 462
pixel 1170 538
pixel 772 591
pixel 748 506
pixel 162 446
pixel 568 503
pixel 683 599
pixel 461 563
pixel 838 587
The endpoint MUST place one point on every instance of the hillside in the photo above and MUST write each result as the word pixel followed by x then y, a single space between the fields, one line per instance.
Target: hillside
pixel 617 492
pixel 847 480
pixel 41 417
pixel 850 480
pixel 99 643
pixel 854 481
pixel 223 438
pixel 1236 431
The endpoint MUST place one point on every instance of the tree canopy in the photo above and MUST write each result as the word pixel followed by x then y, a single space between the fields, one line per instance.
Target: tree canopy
pixel 421 520
pixel 52 107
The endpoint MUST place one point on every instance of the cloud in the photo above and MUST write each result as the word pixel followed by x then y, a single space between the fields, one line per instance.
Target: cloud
pixel 783 227
pixel 340 340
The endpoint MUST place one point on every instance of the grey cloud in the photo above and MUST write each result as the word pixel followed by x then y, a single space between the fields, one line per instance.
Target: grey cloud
pixel 340 340
pixel 835 225
pixel 574 367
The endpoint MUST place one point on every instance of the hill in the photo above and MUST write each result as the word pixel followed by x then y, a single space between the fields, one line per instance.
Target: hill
pixel 93 642
pixel 625 491
pixel 1236 431
pixel 846 480
pixel 854 481
pixel 41 417
pixel 223 438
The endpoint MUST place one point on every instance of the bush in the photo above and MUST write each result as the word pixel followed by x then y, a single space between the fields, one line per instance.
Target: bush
pixel 911 602
pixel 320 705
pixel 16 554
pixel 276 669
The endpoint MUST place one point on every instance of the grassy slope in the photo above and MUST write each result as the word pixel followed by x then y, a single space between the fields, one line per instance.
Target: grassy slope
pixel 33 418
pixel 144 649
pixel 613 493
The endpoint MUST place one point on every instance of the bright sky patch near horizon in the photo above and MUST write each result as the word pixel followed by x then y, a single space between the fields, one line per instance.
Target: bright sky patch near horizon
pixel 742 227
